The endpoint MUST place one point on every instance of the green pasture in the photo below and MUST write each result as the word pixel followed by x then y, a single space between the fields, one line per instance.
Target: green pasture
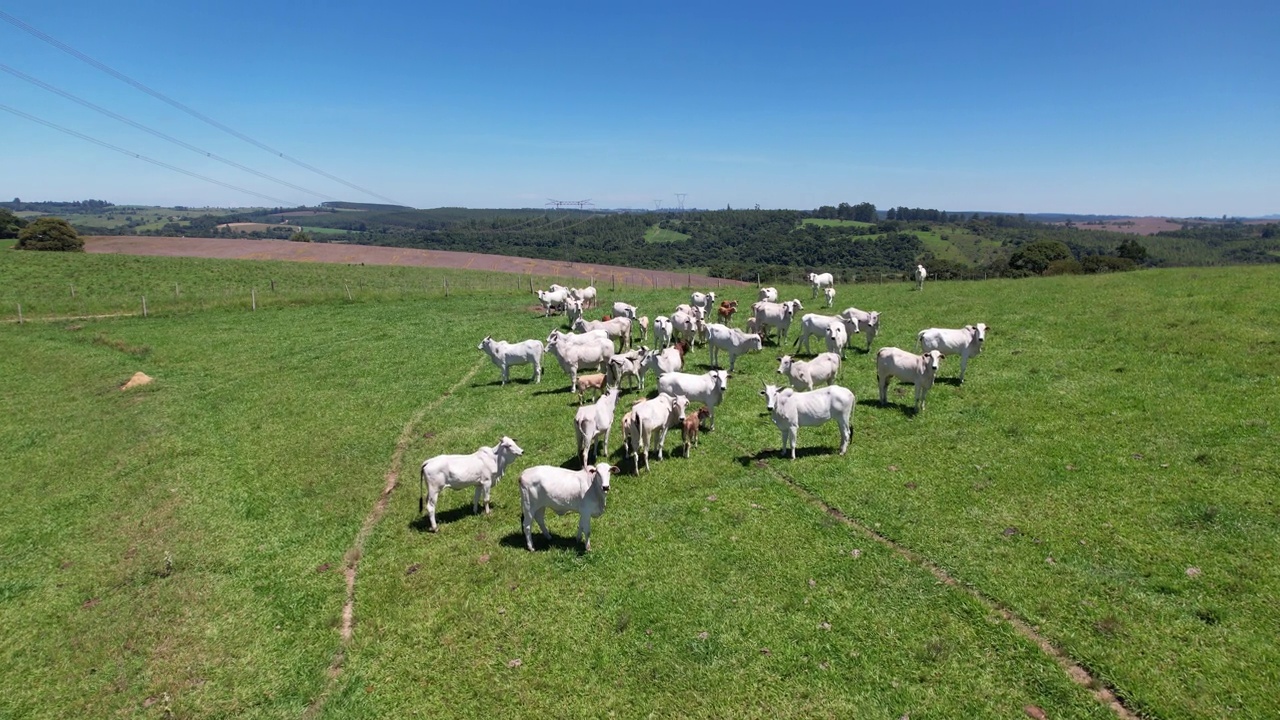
pixel 656 234
pixel 1106 472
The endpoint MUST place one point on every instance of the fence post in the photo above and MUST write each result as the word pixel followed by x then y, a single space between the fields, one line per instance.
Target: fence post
pixel 613 282
pixel 273 284
pixel 144 306
pixel 446 287
pixel 348 289
pixel 175 291
pixel 757 281
pixel 253 296
pixel 20 313
pixel 73 290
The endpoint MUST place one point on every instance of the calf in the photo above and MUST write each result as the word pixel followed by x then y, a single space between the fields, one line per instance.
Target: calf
pixel 919 370
pixel 837 338
pixel 662 331
pixel 792 410
pixel 643 323
pixel 481 469
pixel 572 309
pixel 594 381
pixel 805 375
pixel 707 389
pixel 966 342
pixel 692 424
pixel 650 417
pixel 726 311
pixel 564 491
pixel 505 354
pixel 592 424
pixel 921 274
pixel 831 296
pixel 735 342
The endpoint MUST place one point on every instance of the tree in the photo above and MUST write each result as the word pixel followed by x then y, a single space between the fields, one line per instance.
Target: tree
pixel 10 224
pixel 1035 257
pixel 1133 250
pixel 49 233
pixel 300 236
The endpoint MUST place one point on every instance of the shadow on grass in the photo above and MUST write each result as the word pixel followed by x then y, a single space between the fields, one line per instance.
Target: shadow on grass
pixel 557 542
pixel 908 409
pixel 446 517
pixel 498 382
pixel 952 381
pixel 758 459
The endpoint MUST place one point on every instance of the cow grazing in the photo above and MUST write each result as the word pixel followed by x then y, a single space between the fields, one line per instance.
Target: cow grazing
pixel 792 410
pixel 831 296
pixel 707 389
pixel 837 338
pixel 726 310
pixel 576 352
pixel 863 322
pixel 768 294
pixel 693 424
pixel 813 324
pixel 966 342
pixel 817 281
pixel 481 469
pixel 505 354
pixel 564 491
pixel 593 423
pixel 921 274
pixel 733 341
pixel 650 417
pixel 919 370
pixel 806 375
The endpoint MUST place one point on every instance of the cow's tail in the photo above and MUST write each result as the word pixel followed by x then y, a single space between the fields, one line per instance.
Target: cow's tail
pixel 422 486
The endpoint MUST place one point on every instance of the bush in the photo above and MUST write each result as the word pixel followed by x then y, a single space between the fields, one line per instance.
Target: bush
pixel 300 236
pixel 48 233
pixel 1035 257
pixel 1106 263
pixel 10 224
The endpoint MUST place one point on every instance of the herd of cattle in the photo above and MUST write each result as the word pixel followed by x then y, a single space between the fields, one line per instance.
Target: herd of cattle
pixel 591 346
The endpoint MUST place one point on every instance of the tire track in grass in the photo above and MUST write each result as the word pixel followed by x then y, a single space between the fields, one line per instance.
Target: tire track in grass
pixel 1074 670
pixel 351 560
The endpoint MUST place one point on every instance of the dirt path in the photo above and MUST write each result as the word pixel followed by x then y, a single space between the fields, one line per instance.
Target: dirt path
pixel 246 249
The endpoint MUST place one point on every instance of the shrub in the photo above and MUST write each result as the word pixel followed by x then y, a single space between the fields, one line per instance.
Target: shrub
pixel 1070 266
pixel 1035 257
pixel 48 233
pixel 1106 263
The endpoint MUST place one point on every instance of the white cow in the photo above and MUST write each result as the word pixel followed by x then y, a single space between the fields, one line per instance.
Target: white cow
pixel 813 324
pixel 576 352
pixel 553 299
pixel 643 323
pixel 662 331
pixel 593 423
pixel 482 469
pixel 919 370
pixel 706 301
pixel 793 410
pixel 669 360
pixel 769 294
pixel 505 354
pixel 868 322
pixel 648 417
pixel 820 280
pixel 837 338
pixel 966 342
pixel 778 315
pixel 707 389
pixel 831 296
pixel 621 309
pixel 618 327
pixel 586 295
pixel 921 274
pixel 572 309
pixel 731 340
pixel 564 491
pixel 627 365
pixel 686 326
pixel 806 375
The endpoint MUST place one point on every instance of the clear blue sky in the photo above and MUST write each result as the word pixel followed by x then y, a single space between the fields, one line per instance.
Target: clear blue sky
pixel 1169 108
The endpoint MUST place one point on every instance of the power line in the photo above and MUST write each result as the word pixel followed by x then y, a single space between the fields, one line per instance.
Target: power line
pixel 184 108
pixel 144 158
pixel 40 83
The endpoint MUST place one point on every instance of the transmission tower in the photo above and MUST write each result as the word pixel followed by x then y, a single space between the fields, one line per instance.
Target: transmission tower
pixel 657 205
pixel 557 204
pixel 680 201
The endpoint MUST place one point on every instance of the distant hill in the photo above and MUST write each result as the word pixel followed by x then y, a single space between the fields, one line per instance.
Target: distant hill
pixel 340 205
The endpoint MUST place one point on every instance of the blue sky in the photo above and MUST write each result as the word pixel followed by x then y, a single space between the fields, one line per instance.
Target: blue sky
pixel 1169 108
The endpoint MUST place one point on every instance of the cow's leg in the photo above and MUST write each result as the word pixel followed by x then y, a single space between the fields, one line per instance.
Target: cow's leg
pixel 433 494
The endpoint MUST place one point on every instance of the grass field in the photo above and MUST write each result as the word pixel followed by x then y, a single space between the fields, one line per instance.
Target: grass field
pixel 835 223
pixel 1106 473
pixel 660 235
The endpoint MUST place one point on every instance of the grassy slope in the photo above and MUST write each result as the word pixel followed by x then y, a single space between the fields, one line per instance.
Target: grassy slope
pixel 264 443
pixel 660 235
pixel 835 223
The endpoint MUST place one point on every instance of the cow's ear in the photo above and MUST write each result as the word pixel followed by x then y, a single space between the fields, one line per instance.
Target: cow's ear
pixel 614 469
